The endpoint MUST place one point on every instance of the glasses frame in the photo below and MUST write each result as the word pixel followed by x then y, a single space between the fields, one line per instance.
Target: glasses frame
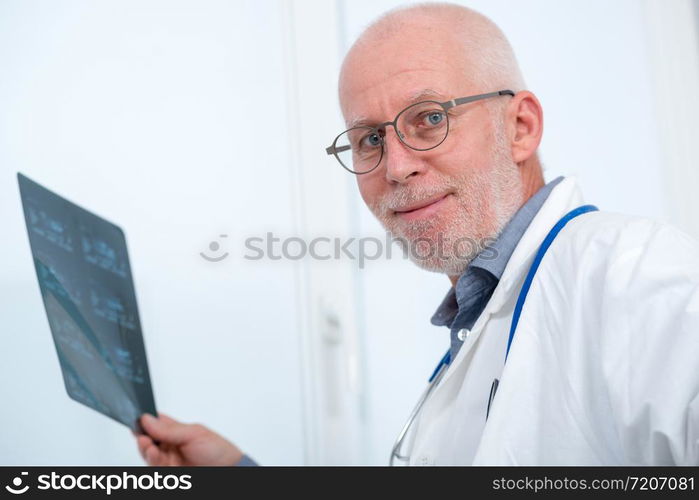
pixel 333 149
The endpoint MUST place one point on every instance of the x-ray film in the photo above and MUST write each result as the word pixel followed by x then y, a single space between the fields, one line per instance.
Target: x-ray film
pixel 85 281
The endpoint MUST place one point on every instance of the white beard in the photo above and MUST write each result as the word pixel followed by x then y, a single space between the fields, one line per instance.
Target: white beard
pixel 486 201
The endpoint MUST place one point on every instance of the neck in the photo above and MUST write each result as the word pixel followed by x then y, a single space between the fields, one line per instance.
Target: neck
pixel 532 177
pixel 532 181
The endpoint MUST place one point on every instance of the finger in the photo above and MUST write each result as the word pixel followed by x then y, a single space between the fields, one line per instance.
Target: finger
pixel 153 455
pixel 170 456
pixel 175 460
pixel 143 443
pixel 167 431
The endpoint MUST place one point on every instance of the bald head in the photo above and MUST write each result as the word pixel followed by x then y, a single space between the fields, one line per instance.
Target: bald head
pixel 438 32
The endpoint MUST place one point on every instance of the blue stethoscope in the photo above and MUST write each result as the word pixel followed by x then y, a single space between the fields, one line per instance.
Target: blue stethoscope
pixel 443 364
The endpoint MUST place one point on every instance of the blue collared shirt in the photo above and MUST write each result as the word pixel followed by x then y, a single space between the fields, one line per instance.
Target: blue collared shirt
pixel 465 302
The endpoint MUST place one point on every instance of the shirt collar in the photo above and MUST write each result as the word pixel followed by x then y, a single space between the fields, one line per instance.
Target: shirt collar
pixel 494 257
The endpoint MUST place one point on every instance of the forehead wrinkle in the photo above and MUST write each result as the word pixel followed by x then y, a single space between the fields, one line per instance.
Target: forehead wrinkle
pixel 358 121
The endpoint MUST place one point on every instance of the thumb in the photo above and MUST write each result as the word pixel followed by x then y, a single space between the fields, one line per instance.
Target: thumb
pixel 166 430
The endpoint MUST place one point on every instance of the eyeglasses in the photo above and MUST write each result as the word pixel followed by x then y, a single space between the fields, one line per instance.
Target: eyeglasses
pixel 421 126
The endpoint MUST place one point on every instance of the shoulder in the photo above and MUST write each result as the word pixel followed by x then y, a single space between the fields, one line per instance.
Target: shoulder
pixel 615 240
pixel 631 289
pixel 616 263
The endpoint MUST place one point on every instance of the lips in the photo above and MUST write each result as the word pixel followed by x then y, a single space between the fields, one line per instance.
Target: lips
pixel 422 208
pixel 420 204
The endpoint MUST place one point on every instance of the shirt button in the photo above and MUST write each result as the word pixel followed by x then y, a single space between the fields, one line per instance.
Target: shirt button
pixel 463 334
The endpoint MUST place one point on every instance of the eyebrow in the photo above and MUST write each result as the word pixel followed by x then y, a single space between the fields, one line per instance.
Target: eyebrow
pixel 423 94
pixel 415 97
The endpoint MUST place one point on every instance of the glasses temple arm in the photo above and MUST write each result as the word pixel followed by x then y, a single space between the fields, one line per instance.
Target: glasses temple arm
pixel 337 149
pixel 464 100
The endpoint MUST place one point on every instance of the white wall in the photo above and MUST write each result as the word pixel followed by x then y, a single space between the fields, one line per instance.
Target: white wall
pixel 158 115
pixel 182 120
pixel 673 49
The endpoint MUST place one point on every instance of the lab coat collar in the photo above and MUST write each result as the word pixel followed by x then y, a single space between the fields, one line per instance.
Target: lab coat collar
pixel 566 196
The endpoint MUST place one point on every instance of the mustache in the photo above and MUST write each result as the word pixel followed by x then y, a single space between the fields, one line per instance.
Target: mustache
pixel 410 195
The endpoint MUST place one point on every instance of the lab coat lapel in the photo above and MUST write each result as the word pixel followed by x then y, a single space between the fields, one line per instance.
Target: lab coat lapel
pixel 563 198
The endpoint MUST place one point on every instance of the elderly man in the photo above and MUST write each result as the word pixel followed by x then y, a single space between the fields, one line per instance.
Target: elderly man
pixel 574 332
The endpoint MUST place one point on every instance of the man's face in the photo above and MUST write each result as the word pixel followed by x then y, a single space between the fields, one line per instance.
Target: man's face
pixel 447 202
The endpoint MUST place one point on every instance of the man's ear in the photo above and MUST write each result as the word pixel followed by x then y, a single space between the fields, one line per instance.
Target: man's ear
pixel 525 125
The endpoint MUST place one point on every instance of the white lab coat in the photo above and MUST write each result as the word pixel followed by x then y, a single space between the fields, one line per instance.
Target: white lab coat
pixel 604 366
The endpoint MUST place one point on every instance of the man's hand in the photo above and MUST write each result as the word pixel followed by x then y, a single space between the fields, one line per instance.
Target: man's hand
pixel 183 444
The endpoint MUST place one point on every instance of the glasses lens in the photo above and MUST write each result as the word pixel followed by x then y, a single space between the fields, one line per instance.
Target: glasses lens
pixel 423 125
pixel 359 149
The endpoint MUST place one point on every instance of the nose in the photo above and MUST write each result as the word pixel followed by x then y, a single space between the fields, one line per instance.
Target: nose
pixel 402 163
